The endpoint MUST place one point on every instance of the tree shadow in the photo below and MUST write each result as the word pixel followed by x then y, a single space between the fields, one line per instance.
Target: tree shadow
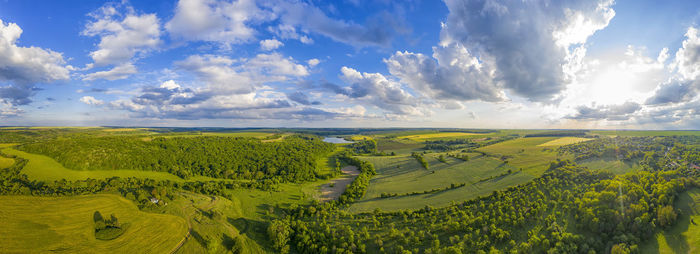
pixel 198 237
pixel 674 237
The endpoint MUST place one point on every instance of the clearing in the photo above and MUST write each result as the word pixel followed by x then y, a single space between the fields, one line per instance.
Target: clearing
pixel 565 141
pixel 684 236
pixel 337 186
pixel 524 153
pixel 423 137
pixel 44 168
pixel 64 224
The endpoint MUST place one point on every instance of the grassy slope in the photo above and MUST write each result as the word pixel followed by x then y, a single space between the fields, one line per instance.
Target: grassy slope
pixel 612 164
pixel 44 168
pixel 564 141
pixel 422 137
pixel 6 162
pixel 403 174
pixel 43 224
pixel 684 237
pixel 525 153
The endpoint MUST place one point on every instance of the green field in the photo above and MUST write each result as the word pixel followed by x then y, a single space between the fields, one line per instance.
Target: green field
pixel 427 136
pixel 525 153
pixel 611 164
pixel 403 174
pixel 6 162
pixel 65 225
pixel 684 236
pixel 564 141
pixel 43 168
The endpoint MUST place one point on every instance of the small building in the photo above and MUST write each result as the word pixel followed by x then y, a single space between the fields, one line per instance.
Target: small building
pixel 154 200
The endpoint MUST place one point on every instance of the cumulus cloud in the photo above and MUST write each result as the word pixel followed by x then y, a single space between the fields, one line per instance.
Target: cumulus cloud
pixel 685 86
pixel 377 90
pixel 119 72
pixel 313 62
pixel 225 22
pixel 270 44
pixel 451 73
pixel 22 67
pixel 224 88
pixel 301 98
pixel 531 48
pixel 287 31
pixel 89 100
pixel 123 34
pixel 606 112
pixel 378 31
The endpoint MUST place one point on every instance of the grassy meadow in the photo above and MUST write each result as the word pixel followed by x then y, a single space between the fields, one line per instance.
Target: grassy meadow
pixel 525 153
pixel 564 141
pixel 65 225
pixel 684 236
pixel 438 135
pixel 403 174
pixel 44 168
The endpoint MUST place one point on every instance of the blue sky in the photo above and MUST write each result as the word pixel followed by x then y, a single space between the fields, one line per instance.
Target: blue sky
pixel 351 63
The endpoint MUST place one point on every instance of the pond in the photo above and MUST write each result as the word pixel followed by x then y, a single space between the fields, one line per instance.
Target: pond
pixel 336 140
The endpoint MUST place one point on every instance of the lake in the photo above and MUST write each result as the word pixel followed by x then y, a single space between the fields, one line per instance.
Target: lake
pixel 336 140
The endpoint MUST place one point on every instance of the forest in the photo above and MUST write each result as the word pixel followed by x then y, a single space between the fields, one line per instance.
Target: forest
pixel 292 160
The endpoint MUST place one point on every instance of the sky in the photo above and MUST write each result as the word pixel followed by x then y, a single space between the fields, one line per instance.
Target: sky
pixel 566 64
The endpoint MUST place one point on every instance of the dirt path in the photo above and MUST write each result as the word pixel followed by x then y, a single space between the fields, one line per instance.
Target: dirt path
pixel 339 184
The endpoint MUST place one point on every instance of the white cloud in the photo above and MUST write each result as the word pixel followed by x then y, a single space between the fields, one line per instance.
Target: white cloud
pixel 122 37
pixel 225 22
pixel 377 90
pixel 379 32
pixel 270 44
pixel 688 56
pixel 530 48
pixel 451 74
pixel 89 100
pixel 119 72
pixel 23 67
pixel 313 62
pixel 224 88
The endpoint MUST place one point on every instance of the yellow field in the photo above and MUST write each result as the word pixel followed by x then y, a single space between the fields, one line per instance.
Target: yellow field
pixel 564 141
pixel 422 137
pixel 64 224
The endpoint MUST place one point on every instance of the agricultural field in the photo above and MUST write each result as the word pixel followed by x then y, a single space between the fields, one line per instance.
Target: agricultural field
pixel 525 153
pixel 565 141
pixel 65 225
pixel 403 174
pixel 439 135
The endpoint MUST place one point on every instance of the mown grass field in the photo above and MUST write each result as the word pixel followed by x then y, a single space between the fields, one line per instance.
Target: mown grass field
pixel 65 225
pixel 6 162
pixel 403 174
pixel 684 236
pixel 525 153
pixel 564 141
pixel 44 168
pixel 438 135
